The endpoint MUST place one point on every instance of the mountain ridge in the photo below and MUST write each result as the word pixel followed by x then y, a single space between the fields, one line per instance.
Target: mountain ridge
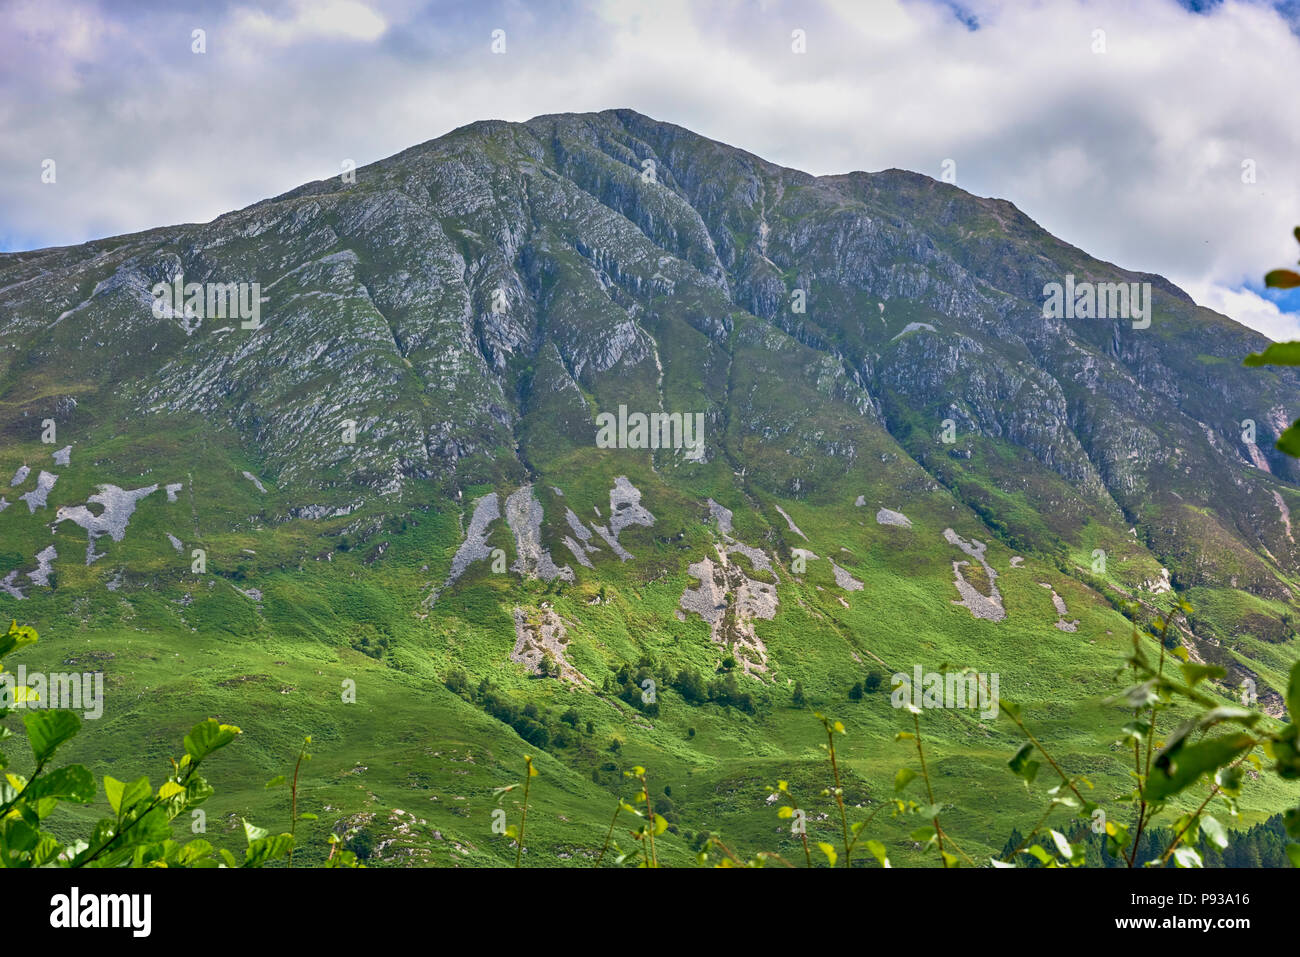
pixel 397 472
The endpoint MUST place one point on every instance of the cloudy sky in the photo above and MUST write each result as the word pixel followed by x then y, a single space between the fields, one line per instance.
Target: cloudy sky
pixel 1160 135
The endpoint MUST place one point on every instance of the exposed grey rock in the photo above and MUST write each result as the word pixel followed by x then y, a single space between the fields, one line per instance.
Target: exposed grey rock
pixel 722 516
pixel 314 512
pixel 63 456
pixel 21 475
pixel 253 478
pixel 176 542
pixel 888 516
pixel 1061 611
pixel 751 600
pixel 625 510
pixel 789 521
pixel 988 607
pixel 914 327
pixel 172 489
pixel 532 560
pixel 578 553
pixel 622 553
pixel 44 560
pixel 534 642
pixel 36 497
pixel 625 507
pixel 757 557
pixel 9 585
pixel 844 579
pixel 575 523
pixel 475 547
pixel 119 505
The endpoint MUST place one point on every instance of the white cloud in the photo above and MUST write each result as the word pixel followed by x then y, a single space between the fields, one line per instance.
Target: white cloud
pixel 1247 307
pixel 313 19
pixel 1134 155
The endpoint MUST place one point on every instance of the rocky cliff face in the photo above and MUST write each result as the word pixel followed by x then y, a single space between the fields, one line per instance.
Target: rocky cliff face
pixel 466 308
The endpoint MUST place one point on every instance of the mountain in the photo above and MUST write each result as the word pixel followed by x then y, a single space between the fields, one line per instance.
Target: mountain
pixel 418 462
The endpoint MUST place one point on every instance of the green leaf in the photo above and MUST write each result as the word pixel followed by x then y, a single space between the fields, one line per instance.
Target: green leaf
pixel 267 849
pixel 1117 838
pixel 254 833
pixel 903 778
pixel 829 851
pixel 1293 693
pixel 1281 279
pixel 46 730
pixel 197 790
pixel 1039 853
pixel 278 781
pixel 1180 766
pixel 1022 766
pixel 1195 673
pixel 1062 844
pixel 1213 830
pixel 1293 852
pixel 18 636
pixel 1277 353
pixel 74 783
pixel 1289 440
pixel 1291 820
pixel 879 853
pixel 1185 856
pixel 207 736
pixel 122 797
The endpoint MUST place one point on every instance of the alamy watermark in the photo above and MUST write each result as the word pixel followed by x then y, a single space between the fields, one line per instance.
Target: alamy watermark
pixel 952 689
pixel 68 691
pixel 179 299
pixel 1101 300
pixel 658 430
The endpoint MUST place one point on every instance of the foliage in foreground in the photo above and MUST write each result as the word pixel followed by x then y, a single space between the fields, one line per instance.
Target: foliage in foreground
pixel 1214 745
pixel 139 832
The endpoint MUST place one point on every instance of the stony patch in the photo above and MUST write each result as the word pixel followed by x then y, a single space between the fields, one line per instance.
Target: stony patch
pixel 119 505
pixel 475 547
pixel 8 584
pixel 887 516
pixel 1061 611
pixel 44 566
pixel 989 607
pixel 36 497
pixel 534 642
pixel 532 560
pixel 844 579
pixel 789 521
